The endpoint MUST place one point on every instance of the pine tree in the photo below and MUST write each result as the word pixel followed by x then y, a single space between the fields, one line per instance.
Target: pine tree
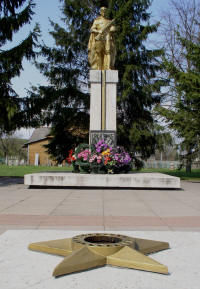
pixel 11 20
pixel 67 69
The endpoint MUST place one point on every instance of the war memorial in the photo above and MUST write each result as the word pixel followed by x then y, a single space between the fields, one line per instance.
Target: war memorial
pixel 72 255
pixel 87 251
pixel 103 127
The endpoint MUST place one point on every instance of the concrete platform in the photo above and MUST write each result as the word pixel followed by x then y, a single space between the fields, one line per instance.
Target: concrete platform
pixel 132 180
pixel 22 269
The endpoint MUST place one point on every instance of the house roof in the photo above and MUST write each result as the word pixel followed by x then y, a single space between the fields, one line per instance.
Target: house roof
pixel 39 134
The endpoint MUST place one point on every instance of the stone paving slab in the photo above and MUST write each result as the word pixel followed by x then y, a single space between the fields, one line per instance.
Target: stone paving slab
pixel 22 269
pixel 111 222
pixel 2 231
pixel 106 209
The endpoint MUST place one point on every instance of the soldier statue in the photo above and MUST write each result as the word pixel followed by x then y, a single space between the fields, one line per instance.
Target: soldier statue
pixel 101 46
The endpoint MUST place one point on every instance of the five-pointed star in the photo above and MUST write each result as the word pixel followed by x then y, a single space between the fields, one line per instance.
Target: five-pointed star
pixel 94 250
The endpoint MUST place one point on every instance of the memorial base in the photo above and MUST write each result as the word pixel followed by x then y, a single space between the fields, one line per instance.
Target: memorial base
pixel 131 180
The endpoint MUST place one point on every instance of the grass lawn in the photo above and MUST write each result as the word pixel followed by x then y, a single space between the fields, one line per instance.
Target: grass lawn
pixel 20 171
pixel 194 175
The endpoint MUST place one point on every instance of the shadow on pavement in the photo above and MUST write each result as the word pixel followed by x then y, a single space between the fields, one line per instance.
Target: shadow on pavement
pixel 9 181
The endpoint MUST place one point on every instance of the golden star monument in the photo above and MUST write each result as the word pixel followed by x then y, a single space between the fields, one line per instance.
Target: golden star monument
pixel 88 251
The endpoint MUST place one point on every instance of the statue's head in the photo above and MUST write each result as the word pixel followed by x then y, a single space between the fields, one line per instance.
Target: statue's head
pixel 103 11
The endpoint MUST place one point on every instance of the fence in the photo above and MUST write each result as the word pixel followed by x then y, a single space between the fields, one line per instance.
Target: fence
pixel 173 165
pixel 14 161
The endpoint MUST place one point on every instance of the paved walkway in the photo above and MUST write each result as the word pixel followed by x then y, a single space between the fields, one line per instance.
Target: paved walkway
pixel 92 209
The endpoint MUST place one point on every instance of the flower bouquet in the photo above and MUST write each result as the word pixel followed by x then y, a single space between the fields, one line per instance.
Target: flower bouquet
pixel 71 159
pixel 102 159
pixel 82 153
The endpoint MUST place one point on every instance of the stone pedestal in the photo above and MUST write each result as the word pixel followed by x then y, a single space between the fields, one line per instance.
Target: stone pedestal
pixel 132 180
pixel 103 105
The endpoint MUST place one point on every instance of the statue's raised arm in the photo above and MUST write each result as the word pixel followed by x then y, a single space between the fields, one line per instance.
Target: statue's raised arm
pixel 101 44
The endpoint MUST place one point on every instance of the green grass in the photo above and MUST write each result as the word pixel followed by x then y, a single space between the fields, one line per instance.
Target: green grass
pixel 20 171
pixel 194 175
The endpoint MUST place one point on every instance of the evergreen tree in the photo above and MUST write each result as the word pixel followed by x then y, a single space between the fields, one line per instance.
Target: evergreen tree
pixel 67 99
pixel 181 63
pixel 11 20
pixel 184 118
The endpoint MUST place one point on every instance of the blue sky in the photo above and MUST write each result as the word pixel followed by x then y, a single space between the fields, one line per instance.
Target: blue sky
pixel 44 11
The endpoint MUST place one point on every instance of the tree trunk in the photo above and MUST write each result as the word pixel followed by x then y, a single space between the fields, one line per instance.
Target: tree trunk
pixel 188 168
pixel 188 164
pixel 6 159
